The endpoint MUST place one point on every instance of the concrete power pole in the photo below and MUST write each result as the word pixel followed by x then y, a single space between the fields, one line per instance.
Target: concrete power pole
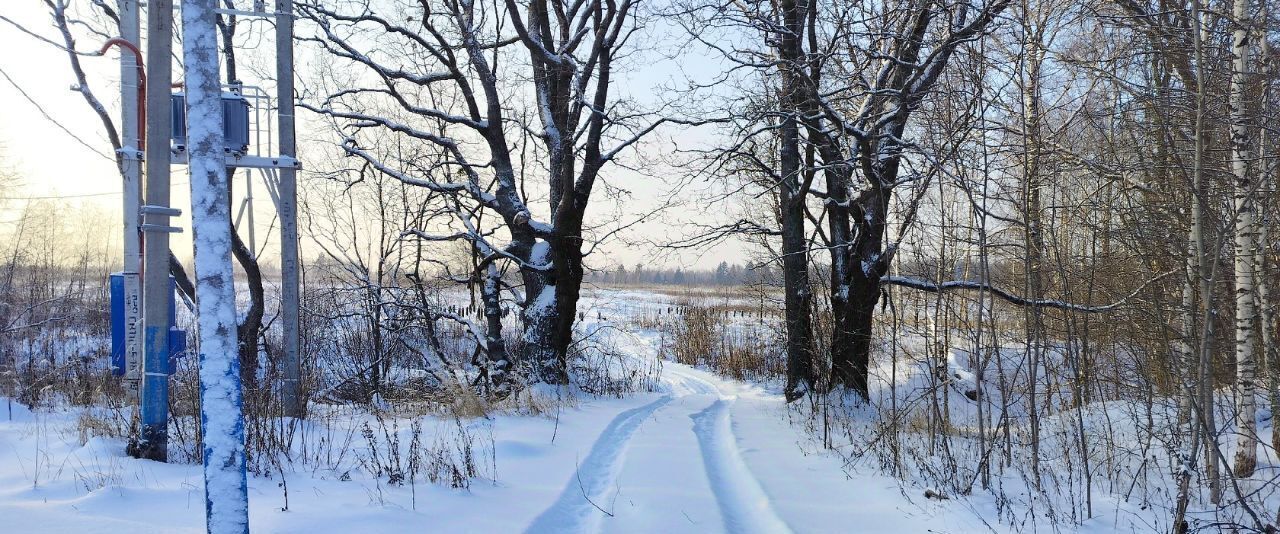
pixel 156 289
pixel 294 404
pixel 131 154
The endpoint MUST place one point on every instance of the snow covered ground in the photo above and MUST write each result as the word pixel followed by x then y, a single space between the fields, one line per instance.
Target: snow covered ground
pixel 702 454
pixel 705 455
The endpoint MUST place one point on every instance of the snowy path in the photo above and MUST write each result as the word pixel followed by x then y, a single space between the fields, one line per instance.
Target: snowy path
pixel 676 454
pixel 714 455
pixel 743 504
pixel 596 476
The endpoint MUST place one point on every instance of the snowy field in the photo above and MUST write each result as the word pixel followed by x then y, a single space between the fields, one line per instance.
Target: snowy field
pixel 701 453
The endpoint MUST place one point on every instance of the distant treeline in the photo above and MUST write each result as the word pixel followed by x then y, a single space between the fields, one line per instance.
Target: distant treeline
pixel 725 274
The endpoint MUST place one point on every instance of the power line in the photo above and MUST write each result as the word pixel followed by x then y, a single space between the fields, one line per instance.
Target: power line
pixel 58 197
pixel 51 119
pixel 47 40
pixel 82 195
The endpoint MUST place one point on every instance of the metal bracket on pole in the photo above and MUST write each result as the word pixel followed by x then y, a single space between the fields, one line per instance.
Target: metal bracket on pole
pixel 131 154
pixel 243 13
pixel 160 228
pixel 161 211
pixel 259 10
pixel 179 157
pixel 148 209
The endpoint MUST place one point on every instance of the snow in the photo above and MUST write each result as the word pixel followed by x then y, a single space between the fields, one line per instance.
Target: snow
pixel 744 506
pixel 700 453
pixel 692 459
pixel 593 482
pixel 223 448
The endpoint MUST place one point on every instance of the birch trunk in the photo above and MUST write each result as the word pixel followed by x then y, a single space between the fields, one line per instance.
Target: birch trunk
pixel 1271 352
pixel 1194 337
pixel 1246 457
pixel 1033 233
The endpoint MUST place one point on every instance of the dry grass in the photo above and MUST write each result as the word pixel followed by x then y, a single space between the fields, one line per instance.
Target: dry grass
pixel 713 336
pixel 108 424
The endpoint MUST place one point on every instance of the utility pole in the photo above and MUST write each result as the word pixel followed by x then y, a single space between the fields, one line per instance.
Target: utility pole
pixel 221 408
pixel 131 156
pixel 294 404
pixel 248 211
pixel 156 289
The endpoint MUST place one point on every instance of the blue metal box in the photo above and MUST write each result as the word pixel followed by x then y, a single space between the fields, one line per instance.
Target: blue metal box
pixel 177 336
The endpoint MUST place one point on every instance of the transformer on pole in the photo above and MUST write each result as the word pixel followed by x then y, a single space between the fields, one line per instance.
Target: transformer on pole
pixel 142 322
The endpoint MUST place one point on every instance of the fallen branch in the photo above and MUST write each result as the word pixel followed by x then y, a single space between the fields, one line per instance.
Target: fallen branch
pixel 578 473
pixel 932 287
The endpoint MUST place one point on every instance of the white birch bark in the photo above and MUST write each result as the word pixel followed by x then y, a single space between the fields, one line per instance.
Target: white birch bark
pixel 1195 333
pixel 1246 232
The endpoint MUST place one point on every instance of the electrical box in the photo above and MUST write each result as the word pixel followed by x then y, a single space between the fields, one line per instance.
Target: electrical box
pixel 235 126
pixel 177 336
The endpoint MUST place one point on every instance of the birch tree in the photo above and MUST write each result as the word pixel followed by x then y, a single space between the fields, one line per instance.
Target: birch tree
pixel 1246 245
pixel 1178 38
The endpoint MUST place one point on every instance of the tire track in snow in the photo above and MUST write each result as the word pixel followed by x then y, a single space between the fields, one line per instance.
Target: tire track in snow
pixel 595 476
pixel 744 506
pixel 683 383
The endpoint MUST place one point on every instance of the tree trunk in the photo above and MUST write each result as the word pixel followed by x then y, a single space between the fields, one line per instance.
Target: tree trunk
pixel 497 365
pixel 541 320
pixel 248 330
pixel 791 197
pixel 1267 208
pixel 851 359
pixel 566 250
pixel 850 362
pixel 1033 230
pixel 1246 457
pixel 226 497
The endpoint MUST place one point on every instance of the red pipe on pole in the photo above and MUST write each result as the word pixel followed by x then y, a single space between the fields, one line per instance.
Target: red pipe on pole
pixel 142 86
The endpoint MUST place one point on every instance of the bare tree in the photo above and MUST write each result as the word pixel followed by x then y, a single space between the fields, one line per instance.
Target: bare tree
pixel 860 125
pixel 455 81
